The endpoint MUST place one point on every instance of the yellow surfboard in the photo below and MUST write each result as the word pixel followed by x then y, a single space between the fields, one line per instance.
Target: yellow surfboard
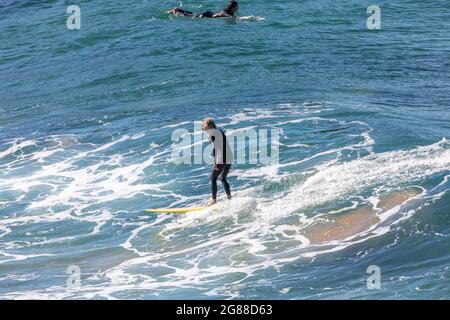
pixel 176 210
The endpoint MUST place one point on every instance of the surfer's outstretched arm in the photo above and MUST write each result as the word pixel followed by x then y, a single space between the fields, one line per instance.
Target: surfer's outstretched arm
pixel 180 11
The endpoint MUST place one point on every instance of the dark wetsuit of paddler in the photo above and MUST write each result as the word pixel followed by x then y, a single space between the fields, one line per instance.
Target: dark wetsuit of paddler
pixel 229 11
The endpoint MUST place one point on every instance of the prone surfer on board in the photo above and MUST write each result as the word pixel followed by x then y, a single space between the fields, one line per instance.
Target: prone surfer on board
pixel 223 157
pixel 229 11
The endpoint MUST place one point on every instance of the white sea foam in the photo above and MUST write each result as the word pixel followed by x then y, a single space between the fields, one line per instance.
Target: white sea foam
pixel 236 239
pixel 334 181
pixel 254 236
pixel 17 145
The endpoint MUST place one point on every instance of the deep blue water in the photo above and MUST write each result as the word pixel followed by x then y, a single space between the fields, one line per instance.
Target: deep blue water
pixel 86 119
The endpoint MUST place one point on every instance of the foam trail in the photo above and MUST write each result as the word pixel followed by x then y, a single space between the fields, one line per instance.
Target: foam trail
pixel 332 182
pixel 16 147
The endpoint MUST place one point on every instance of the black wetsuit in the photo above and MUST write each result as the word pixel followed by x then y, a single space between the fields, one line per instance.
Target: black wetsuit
pixel 206 14
pixel 210 14
pixel 221 170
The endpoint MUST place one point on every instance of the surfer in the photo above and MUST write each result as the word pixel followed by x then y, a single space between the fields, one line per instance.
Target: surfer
pixel 223 158
pixel 229 11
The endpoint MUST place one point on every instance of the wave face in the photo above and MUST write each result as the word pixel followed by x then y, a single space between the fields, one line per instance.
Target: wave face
pixel 363 177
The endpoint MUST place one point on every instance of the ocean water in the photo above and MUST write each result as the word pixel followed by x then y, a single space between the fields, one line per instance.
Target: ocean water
pixel 363 178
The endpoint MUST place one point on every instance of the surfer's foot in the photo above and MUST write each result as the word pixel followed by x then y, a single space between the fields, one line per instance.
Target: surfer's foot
pixel 212 202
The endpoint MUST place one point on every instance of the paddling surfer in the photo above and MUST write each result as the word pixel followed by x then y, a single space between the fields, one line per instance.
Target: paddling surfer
pixel 223 157
pixel 229 11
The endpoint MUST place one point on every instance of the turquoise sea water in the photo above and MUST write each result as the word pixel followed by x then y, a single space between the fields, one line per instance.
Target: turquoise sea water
pixel 86 118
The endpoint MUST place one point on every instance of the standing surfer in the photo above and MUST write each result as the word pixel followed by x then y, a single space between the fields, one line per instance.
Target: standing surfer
pixel 223 157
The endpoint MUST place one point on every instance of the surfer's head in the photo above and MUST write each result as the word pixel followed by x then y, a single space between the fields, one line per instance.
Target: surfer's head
pixel 232 8
pixel 208 124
